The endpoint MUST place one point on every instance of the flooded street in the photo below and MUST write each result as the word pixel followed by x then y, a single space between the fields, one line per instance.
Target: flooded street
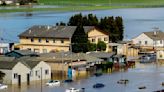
pixel 148 75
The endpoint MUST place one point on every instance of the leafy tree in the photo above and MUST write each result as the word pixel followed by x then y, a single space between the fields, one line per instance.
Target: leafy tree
pixel 1 75
pixel 91 46
pixel 79 40
pixel 101 46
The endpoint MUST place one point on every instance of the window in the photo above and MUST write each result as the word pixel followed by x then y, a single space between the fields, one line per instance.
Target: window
pixel 93 40
pixel 53 40
pixel 40 40
pixel 106 39
pixel 160 41
pixel 47 72
pixel 15 75
pixel 36 50
pixel 62 41
pixel 140 42
pixel 99 39
pixel 145 42
pixel 47 41
pixel 32 39
pixel 44 50
pixel 36 73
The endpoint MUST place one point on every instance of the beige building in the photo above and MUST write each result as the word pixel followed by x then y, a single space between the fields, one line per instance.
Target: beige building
pixel 44 39
pixel 15 72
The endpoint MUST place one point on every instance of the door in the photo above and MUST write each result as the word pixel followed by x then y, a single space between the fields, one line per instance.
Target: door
pixel 28 79
pixel 19 80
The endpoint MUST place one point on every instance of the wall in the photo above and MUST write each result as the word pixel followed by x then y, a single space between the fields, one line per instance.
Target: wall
pixel 143 38
pixel 22 70
pixel 96 35
pixel 57 46
pixel 44 67
pixel 8 76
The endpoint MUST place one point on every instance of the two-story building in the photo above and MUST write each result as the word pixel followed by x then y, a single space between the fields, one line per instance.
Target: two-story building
pixel 44 39
pixel 150 39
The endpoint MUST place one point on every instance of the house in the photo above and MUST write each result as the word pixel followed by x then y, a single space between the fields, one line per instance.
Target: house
pixel 38 70
pixel 44 39
pixel 151 39
pixel 160 55
pixel 60 61
pixel 6 47
pixel 124 48
pixel 15 72
pixel 20 53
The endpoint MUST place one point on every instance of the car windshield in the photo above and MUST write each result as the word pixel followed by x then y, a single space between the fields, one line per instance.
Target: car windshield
pixel 50 81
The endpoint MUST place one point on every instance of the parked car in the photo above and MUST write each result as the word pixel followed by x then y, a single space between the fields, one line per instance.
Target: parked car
pixel 2 86
pixel 68 81
pixel 98 85
pixel 72 90
pixel 53 83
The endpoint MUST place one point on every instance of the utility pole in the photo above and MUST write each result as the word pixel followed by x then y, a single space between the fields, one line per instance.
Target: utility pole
pixel 41 78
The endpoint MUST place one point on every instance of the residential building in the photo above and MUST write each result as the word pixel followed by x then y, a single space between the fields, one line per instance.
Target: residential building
pixel 44 39
pixel 150 39
pixel 124 48
pixel 39 69
pixel 15 72
pixel 160 54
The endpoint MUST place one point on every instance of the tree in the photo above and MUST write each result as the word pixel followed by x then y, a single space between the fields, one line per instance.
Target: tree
pixel 76 20
pixel 119 24
pixel 91 46
pixel 1 75
pixel 101 46
pixel 79 40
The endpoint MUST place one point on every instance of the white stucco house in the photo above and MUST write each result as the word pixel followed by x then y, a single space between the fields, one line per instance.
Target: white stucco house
pixel 150 39
pixel 39 69
pixel 15 72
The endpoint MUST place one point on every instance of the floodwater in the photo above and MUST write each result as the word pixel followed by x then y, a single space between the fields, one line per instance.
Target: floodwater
pixel 148 75
pixel 136 20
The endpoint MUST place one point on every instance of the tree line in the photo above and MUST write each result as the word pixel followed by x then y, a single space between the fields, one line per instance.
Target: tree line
pixel 112 25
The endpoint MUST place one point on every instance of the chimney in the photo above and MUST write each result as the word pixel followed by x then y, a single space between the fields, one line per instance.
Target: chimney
pixel 29 31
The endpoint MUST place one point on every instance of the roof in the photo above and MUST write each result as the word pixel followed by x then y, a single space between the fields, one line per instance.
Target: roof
pixel 5 58
pixel 52 31
pixel 83 56
pixel 155 35
pixel 100 54
pixel 22 52
pixel 30 64
pixel 7 65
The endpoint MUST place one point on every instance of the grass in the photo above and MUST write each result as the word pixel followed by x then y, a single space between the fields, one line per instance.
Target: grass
pixel 81 5
pixel 93 2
